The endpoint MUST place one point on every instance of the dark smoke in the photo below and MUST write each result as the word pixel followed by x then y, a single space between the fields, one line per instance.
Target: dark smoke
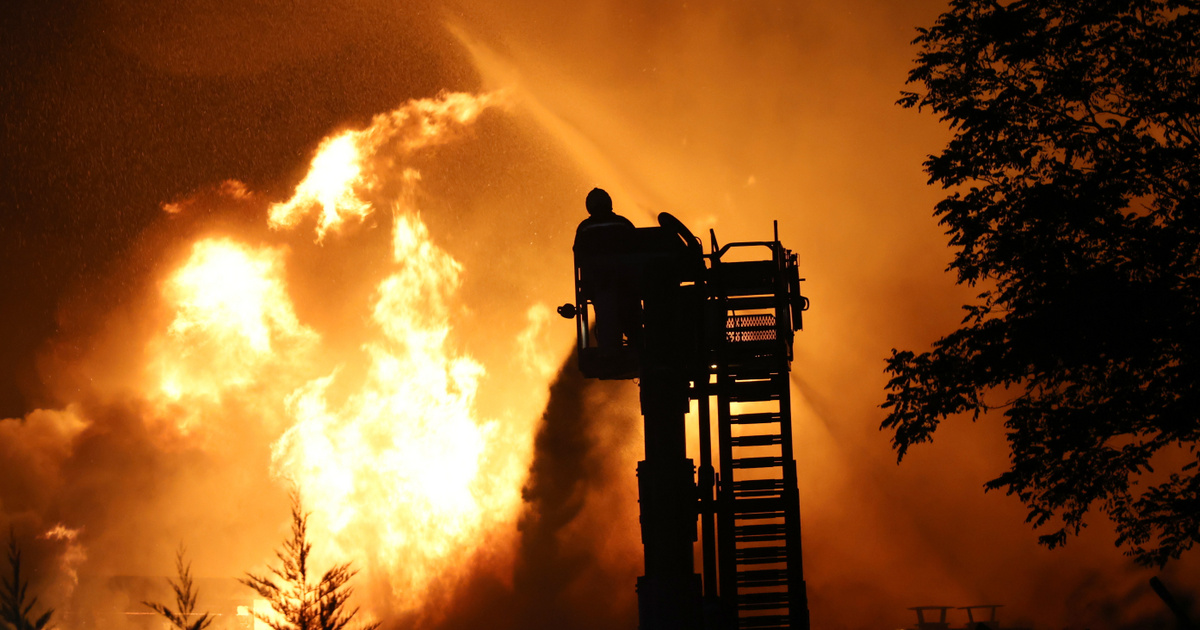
pixel 94 491
pixel 562 577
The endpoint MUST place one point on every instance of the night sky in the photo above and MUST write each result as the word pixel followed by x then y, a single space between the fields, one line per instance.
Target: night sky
pixel 113 109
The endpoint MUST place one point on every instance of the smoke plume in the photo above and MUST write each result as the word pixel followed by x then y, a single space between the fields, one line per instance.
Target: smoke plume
pixel 241 239
pixel 577 550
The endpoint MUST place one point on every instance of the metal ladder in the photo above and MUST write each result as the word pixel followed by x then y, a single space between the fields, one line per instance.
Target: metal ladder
pixel 757 509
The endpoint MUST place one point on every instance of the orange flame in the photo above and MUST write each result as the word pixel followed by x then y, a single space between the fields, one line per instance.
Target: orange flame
pixel 402 468
pixel 402 476
pixel 232 320
pixel 342 172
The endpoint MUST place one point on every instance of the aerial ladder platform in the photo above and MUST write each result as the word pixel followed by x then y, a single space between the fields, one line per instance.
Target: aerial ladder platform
pixel 714 329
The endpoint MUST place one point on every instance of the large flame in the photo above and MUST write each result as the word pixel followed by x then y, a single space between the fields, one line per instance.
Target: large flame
pixel 232 319
pixel 351 164
pixel 727 115
pixel 401 474
pixel 407 477
pixel 335 170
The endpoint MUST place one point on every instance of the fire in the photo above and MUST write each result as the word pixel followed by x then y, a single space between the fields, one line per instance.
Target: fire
pixel 329 184
pixel 232 320
pixel 401 475
pixel 233 294
pixel 353 164
pixel 403 471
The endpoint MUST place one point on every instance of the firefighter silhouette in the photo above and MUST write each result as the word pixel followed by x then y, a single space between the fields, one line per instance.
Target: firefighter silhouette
pixel 603 253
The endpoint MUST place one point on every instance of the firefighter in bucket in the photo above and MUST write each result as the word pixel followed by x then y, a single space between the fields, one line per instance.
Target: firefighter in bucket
pixel 604 256
pixel 631 277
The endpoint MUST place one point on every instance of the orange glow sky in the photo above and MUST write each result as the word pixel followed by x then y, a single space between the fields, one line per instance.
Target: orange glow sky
pixel 133 130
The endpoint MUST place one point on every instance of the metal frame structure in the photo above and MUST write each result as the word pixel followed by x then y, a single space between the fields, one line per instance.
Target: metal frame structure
pixel 718 329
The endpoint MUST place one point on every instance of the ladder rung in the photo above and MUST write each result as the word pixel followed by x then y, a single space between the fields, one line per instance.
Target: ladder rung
pixel 751 391
pixel 760 533
pixel 761 555
pixel 755 418
pixel 756 440
pixel 758 516
pixel 742 507
pixel 758 462
pixel 764 601
pixel 762 577
pixel 765 621
pixel 757 487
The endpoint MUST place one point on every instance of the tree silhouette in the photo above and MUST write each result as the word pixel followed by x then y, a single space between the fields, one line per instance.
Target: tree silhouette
pixel 1072 205
pixel 14 610
pixel 297 603
pixel 185 599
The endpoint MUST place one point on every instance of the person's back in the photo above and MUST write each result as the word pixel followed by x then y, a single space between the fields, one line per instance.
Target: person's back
pixel 604 232
pixel 602 247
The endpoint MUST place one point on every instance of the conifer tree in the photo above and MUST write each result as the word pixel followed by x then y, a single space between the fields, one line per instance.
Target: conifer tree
pixel 297 603
pixel 185 599
pixel 14 610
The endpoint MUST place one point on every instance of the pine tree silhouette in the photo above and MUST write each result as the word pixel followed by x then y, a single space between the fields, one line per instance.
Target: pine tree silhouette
pixel 185 599
pixel 14 610
pixel 297 604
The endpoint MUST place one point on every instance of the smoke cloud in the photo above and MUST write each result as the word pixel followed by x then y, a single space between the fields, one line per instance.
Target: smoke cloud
pixel 578 551
pixel 726 115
